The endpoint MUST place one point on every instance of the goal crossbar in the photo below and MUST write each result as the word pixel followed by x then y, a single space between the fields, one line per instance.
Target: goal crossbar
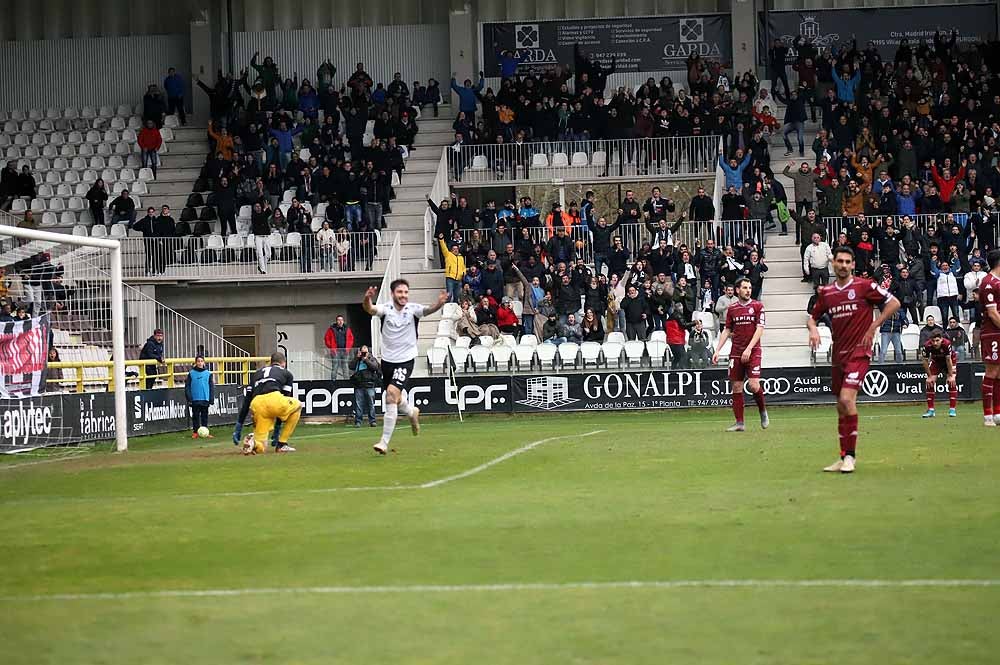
pixel 117 310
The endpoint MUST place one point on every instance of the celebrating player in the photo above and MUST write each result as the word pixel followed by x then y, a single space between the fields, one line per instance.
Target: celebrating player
pixel 271 400
pixel 989 339
pixel 745 322
pixel 940 358
pixel 399 348
pixel 850 302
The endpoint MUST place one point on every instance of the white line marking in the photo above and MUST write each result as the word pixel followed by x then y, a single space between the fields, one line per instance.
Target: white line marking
pixel 507 587
pixel 327 490
pixel 505 457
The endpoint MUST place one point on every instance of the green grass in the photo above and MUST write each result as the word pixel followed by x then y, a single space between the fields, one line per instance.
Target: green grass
pixel 657 497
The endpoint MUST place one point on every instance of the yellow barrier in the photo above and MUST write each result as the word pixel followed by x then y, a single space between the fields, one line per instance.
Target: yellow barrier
pixel 223 369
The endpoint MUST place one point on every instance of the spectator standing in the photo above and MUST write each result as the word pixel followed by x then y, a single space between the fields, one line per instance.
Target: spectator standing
pixel 152 350
pixel 147 226
pixel 467 96
pixel 325 240
pixel 339 340
pixel 947 291
pixel 454 269
pixel 698 354
pixel 816 261
pixel 891 333
pixel 365 377
pixel 175 88
pixel 97 198
pixel 199 388
pixel 260 227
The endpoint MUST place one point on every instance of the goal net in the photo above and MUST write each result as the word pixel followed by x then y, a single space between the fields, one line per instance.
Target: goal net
pixel 71 336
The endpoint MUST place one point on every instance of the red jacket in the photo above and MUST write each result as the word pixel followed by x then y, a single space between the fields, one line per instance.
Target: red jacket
pixel 675 333
pixel 150 139
pixel 506 317
pixel 331 340
pixel 946 187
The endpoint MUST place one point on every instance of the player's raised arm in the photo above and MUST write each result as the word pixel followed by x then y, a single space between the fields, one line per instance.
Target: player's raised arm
pixel 442 299
pixel 367 303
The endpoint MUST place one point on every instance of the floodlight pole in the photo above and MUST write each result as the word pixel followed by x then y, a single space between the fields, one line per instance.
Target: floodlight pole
pixel 118 348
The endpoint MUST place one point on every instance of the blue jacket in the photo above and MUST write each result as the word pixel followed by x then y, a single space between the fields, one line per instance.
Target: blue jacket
pixel 200 388
pixel 467 96
pixel 151 350
pixel 174 85
pixel 734 177
pixel 285 138
pixel 895 323
pixel 508 64
pixel 845 89
pixel 907 205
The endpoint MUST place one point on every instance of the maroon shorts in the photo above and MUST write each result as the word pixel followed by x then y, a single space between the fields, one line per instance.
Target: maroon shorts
pixel 989 347
pixel 738 370
pixel 850 374
pixel 935 369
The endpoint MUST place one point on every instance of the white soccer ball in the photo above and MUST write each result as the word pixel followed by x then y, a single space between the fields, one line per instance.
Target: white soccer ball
pixel 203 432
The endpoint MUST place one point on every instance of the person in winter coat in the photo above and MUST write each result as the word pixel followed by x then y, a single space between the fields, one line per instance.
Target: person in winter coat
pixel 149 140
pixel 805 186
pixel 733 170
pixel 891 333
pixel 506 318
pixel 223 141
pixel 199 389
pixel 467 96
pixel 97 198
pixel 454 268
pixel 152 350
pixel 339 339
pixel 366 376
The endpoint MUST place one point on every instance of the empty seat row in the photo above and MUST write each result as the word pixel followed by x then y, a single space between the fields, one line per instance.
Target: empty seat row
pixel 122 149
pixel 129 135
pixel 71 113
pixel 38 206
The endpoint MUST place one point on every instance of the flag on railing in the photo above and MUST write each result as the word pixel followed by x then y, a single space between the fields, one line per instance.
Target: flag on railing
pixel 24 352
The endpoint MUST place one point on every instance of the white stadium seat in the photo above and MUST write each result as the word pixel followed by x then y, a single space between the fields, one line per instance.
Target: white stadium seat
pixel 463 342
pixel 524 356
pixel 539 161
pixel 479 163
pixel 459 356
pixel 501 357
pixel 546 353
pixel 437 359
pixel 50 219
pixel 560 159
pixel 633 352
pixel 590 352
pixel 76 203
pixel 618 337
pixel 612 352
pixel 480 356
pixel 568 353
pixel 580 159
pixel 68 218
pixel 657 351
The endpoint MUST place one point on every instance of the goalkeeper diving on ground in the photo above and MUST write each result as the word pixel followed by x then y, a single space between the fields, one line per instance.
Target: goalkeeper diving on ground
pixel 269 398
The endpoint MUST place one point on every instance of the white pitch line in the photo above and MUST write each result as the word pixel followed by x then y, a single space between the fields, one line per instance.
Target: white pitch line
pixel 505 457
pixel 515 586
pixel 329 490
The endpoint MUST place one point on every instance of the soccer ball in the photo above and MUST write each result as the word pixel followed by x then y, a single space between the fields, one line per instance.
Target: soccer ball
pixel 203 432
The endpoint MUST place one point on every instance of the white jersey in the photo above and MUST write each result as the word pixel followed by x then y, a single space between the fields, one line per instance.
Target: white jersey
pixel 399 331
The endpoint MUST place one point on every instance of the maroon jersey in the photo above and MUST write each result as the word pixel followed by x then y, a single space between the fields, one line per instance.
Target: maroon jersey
pixel 850 308
pixel 742 320
pixel 940 353
pixel 989 298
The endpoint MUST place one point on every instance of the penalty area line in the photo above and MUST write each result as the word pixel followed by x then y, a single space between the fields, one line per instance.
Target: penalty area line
pixel 514 587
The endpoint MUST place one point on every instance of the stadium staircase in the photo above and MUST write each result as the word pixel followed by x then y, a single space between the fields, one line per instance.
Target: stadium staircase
pixel 785 296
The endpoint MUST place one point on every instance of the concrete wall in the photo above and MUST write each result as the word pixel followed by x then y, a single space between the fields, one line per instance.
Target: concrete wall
pixel 265 305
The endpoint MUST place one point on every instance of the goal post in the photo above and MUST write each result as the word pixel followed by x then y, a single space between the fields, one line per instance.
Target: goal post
pixel 40 241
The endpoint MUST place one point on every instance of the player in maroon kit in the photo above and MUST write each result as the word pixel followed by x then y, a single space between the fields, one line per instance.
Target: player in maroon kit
pixel 940 358
pixel 989 339
pixel 745 322
pixel 850 302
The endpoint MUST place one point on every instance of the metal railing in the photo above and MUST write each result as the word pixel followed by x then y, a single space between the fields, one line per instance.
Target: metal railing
pixel 634 236
pixel 925 223
pixel 238 256
pixel 393 271
pixel 583 160
pixel 96 375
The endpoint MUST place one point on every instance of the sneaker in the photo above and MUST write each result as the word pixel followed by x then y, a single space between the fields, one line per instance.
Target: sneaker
pixel 284 449
pixel 848 465
pixel 952 413
pixel 783 233
pixel 764 420
pixel 415 420
pixel 988 421
pixel 736 427
pixel 380 448
pixel 928 414
pixel 788 153
pixel 835 467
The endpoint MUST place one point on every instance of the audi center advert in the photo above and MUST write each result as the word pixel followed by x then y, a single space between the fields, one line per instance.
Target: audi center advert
pixel 61 419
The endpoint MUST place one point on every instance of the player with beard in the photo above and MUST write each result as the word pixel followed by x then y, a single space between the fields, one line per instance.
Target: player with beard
pixel 399 349
pixel 850 301
pixel 940 358
pixel 745 323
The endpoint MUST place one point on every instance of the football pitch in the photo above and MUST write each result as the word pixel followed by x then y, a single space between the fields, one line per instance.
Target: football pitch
pixel 573 538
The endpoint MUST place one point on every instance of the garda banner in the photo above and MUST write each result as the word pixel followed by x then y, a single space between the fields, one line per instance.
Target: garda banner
pixel 638 44
pixel 884 26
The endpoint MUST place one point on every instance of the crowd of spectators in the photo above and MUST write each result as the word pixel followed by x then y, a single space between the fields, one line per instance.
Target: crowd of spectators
pixel 494 256
pixel 904 168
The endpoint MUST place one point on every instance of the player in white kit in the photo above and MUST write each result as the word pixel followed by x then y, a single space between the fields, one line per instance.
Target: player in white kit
pixel 399 349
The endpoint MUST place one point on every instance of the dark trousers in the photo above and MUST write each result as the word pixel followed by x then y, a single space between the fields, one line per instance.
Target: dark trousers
pixel 199 416
pixel 97 212
pixel 820 276
pixel 635 330
pixel 150 246
pixel 227 219
pixel 176 104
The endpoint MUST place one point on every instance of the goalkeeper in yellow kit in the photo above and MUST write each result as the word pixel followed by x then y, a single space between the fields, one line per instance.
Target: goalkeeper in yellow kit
pixel 270 400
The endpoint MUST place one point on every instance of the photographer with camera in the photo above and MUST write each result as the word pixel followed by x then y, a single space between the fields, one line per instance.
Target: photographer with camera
pixel 365 376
